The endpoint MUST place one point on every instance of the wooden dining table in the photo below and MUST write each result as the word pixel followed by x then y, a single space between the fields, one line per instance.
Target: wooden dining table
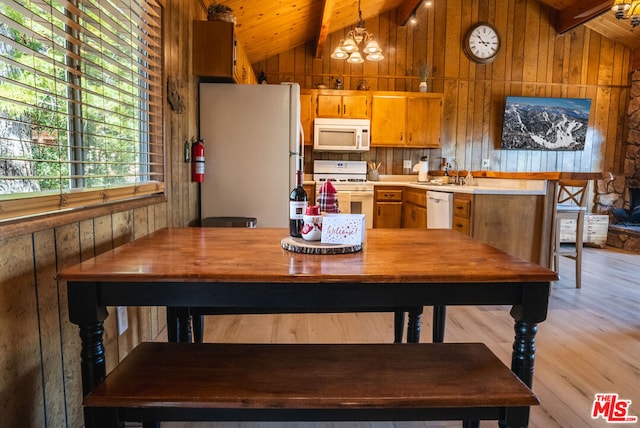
pixel 230 268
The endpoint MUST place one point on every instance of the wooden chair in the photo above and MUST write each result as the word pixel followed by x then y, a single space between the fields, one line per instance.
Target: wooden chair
pixel 571 204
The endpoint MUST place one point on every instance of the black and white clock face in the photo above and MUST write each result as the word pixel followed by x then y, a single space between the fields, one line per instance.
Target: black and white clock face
pixel 482 43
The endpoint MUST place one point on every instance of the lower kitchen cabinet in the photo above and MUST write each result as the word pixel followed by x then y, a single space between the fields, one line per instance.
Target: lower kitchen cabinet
pixel 414 215
pixel 310 188
pixel 512 223
pixel 387 207
pixel 462 208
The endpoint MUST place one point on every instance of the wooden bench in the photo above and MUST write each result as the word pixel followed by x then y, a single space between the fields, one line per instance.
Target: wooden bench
pixel 309 382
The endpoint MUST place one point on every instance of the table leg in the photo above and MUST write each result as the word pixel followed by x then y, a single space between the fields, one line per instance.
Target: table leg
pixel 524 348
pixel 527 315
pixel 92 356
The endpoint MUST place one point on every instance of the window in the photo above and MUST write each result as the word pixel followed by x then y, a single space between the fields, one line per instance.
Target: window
pixel 80 103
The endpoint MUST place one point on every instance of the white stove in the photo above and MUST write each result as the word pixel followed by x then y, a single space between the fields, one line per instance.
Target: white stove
pixel 344 175
pixel 355 193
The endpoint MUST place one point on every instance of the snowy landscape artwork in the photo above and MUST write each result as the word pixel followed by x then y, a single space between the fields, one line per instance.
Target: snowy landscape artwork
pixel 545 123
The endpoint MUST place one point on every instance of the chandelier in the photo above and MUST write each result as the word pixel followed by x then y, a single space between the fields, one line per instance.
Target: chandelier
pixel 348 48
pixel 625 9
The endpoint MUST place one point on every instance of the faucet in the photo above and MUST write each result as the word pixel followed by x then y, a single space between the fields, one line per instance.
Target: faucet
pixel 457 179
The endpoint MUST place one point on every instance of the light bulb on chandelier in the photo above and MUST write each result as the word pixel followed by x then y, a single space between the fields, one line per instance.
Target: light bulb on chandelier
pixel 627 9
pixel 349 47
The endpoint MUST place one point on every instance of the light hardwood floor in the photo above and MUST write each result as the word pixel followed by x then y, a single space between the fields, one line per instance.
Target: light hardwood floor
pixel 589 344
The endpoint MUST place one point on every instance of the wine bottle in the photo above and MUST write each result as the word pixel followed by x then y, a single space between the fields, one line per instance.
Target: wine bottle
pixel 297 207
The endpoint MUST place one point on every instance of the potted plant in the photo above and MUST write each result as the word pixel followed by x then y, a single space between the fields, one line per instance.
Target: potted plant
pixel 220 12
pixel 423 74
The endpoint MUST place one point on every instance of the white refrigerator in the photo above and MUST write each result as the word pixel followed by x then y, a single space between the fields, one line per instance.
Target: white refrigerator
pixel 253 146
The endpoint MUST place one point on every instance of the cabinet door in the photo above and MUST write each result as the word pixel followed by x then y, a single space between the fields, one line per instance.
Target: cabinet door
pixel 462 225
pixel 355 106
pixel 213 49
pixel 424 118
pixel 310 189
pixel 388 116
pixel 329 105
pixel 414 217
pixel 388 215
pixel 306 116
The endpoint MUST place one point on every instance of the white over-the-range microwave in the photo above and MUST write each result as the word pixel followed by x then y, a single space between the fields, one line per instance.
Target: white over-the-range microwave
pixel 341 135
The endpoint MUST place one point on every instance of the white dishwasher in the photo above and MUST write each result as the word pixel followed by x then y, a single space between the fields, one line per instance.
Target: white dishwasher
pixel 439 210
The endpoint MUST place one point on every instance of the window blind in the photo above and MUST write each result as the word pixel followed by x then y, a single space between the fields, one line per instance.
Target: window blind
pixel 80 103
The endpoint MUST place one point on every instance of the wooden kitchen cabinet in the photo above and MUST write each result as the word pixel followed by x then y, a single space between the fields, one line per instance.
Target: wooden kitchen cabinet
pixel 414 209
pixel 387 207
pixel 342 104
pixel 388 115
pixel 306 115
pixel 406 119
pixel 217 54
pixel 424 120
pixel 310 188
pixel 462 209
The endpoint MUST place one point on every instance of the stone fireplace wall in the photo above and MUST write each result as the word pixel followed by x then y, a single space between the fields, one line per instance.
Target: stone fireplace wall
pixel 615 194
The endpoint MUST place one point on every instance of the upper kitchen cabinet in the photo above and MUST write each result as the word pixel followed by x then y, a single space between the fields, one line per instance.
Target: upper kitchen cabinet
pixel 344 104
pixel 306 115
pixel 406 119
pixel 217 54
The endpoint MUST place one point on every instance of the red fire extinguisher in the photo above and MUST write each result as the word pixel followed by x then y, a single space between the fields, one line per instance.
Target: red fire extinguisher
pixel 197 162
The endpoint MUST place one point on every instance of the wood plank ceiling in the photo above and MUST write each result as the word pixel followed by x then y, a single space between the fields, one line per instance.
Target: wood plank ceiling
pixel 285 24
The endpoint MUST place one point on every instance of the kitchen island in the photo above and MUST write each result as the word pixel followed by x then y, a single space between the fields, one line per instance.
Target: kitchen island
pixel 248 268
pixel 514 215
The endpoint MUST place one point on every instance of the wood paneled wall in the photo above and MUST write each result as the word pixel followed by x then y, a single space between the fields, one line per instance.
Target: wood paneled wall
pixel 40 383
pixel 534 61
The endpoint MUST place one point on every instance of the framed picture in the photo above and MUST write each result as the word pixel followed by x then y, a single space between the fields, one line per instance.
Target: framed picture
pixel 545 123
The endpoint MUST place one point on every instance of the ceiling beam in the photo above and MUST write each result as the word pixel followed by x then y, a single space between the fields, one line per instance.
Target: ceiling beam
pixel 405 10
pixel 323 34
pixel 579 13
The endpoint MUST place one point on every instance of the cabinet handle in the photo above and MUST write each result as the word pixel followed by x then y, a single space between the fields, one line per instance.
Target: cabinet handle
pixel 378 211
pixel 413 214
pixel 410 136
pixel 338 109
pixel 401 136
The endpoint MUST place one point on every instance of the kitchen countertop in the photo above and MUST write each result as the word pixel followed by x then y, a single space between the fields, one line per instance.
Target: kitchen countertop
pixel 486 186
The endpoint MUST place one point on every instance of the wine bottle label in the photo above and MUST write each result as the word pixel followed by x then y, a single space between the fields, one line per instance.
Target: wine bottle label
pixel 297 209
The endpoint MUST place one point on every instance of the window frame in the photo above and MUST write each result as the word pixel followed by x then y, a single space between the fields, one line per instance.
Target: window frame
pixel 32 211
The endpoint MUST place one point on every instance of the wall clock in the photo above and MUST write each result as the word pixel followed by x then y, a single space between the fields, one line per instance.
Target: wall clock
pixel 481 42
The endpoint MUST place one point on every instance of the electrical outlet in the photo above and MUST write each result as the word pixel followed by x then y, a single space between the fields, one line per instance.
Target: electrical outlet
pixel 485 163
pixel 406 164
pixel 123 320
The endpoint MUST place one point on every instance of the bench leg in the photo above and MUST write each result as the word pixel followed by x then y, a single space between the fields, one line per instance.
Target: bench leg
pixel 413 328
pixel 198 328
pixel 413 325
pixel 398 326
pixel 178 324
pixel 470 424
pixel 439 320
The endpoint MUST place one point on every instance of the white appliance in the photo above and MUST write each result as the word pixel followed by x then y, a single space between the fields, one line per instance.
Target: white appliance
pixel 439 210
pixel 252 149
pixel 355 194
pixel 341 135
pixel 422 168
